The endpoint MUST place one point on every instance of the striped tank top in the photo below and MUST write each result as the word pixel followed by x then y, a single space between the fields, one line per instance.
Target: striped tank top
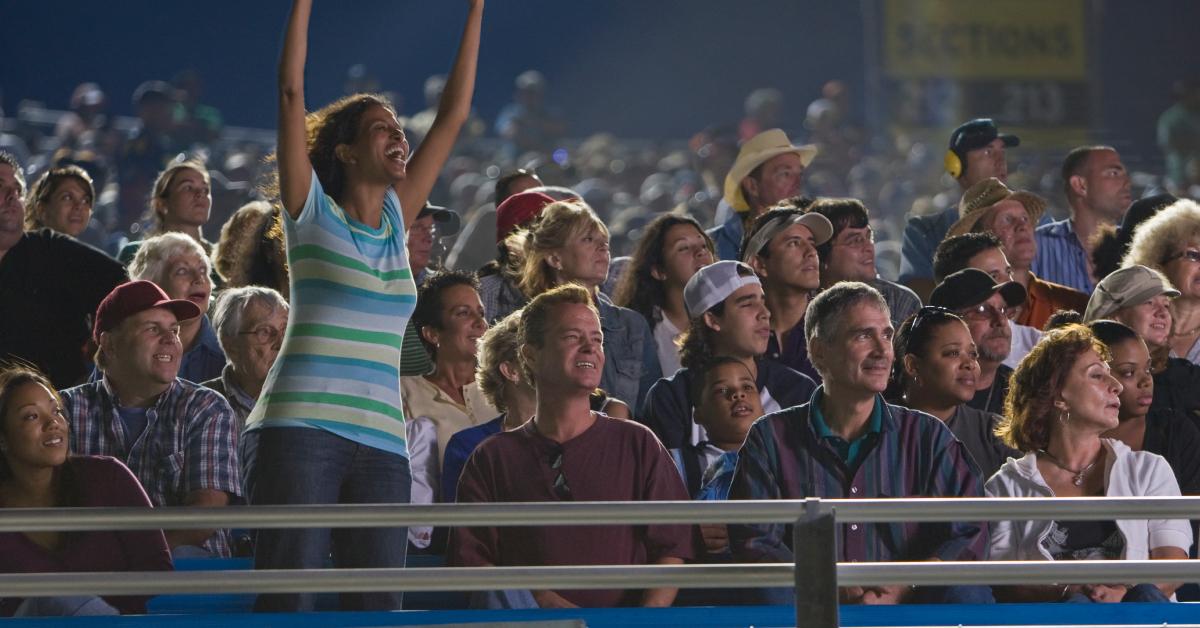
pixel 352 293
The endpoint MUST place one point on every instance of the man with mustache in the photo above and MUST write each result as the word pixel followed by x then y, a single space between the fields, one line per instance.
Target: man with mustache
pixel 991 207
pixel 847 442
pixel 984 304
pixel 1097 187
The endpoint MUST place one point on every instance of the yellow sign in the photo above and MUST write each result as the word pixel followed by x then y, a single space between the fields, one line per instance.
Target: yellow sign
pixel 980 39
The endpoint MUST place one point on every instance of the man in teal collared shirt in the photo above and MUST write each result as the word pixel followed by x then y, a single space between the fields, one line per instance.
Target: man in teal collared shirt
pixel 850 451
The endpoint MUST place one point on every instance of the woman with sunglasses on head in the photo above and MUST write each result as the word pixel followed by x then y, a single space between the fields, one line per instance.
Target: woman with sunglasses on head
pixel 37 471
pixel 329 426
pixel 1061 403
pixel 1169 242
pixel 935 371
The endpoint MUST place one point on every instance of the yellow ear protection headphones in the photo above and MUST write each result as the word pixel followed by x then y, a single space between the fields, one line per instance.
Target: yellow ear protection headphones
pixel 954 164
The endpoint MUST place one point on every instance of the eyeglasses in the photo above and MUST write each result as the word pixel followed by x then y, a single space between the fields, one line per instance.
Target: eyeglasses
pixel 984 312
pixel 1190 255
pixel 927 312
pixel 561 488
pixel 264 334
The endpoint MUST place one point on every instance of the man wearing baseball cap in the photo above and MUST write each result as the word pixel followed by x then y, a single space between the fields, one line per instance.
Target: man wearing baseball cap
pixel 976 152
pixel 782 249
pixel 729 317
pixel 768 169
pixel 984 305
pixel 177 437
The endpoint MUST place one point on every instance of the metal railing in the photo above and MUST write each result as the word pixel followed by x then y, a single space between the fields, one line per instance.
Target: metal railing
pixel 815 541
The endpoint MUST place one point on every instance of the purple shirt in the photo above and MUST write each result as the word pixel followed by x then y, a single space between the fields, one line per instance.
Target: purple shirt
pixel 91 481
pixel 613 460
pixel 792 351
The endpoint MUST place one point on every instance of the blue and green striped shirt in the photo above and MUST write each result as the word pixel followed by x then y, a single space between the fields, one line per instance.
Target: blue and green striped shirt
pixel 352 294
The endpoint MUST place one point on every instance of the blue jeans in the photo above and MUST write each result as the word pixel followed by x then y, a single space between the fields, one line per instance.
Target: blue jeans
pixel 296 465
pixel 64 606
pixel 1137 593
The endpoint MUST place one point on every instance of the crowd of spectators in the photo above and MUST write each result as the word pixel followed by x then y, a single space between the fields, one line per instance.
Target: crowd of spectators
pixel 586 320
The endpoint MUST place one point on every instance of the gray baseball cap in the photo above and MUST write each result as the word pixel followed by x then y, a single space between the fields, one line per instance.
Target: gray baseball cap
pixel 1126 287
pixel 714 283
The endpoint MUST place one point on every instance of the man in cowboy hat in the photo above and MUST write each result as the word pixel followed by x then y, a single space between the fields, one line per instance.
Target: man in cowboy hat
pixel 991 207
pixel 976 152
pixel 768 169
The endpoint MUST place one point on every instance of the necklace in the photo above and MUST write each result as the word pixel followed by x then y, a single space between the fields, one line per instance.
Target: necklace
pixel 1079 475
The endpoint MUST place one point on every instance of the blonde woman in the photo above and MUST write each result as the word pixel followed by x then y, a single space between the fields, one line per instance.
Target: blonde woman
pixel 1169 242
pixel 569 244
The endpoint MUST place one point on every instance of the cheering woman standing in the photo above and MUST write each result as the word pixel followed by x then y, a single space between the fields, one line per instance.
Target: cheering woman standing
pixel 329 425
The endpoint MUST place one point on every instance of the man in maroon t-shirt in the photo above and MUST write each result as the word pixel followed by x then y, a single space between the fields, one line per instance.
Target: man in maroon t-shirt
pixel 569 453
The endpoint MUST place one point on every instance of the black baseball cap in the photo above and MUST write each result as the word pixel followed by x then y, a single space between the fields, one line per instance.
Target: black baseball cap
pixel 978 133
pixel 448 222
pixel 970 287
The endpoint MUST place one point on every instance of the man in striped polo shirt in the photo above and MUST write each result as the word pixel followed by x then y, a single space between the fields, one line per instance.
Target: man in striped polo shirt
pixel 1097 187
pixel 847 442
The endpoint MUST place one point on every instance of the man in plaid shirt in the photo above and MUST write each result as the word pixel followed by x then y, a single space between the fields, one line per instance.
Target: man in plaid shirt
pixel 176 436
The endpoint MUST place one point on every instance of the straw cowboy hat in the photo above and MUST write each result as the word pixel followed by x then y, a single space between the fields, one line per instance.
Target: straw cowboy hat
pixel 755 152
pixel 977 202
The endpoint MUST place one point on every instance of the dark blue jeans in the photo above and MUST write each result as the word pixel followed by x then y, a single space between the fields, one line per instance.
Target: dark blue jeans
pixel 1137 593
pixel 296 465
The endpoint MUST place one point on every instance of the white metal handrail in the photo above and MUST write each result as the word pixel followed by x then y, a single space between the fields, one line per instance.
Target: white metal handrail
pixel 592 513
pixel 591 577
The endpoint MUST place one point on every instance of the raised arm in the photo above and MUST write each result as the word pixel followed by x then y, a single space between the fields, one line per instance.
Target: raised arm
pixel 453 111
pixel 295 170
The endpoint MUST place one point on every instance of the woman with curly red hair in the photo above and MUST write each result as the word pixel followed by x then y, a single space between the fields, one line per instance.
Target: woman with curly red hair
pixel 1061 399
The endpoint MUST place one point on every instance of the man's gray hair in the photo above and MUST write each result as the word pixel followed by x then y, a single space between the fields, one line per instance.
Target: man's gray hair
pixel 829 307
pixel 232 304
pixel 150 262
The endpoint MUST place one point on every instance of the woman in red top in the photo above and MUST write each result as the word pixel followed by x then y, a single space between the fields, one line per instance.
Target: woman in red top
pixel 36 471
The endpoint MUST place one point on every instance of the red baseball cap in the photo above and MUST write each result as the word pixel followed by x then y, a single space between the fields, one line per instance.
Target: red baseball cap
pixel 517 210
pixel 130 298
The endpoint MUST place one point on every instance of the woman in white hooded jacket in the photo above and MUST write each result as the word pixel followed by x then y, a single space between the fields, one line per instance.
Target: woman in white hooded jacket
pixel 1061 399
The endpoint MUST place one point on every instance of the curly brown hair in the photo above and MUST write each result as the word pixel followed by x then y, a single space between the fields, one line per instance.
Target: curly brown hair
pixel 638 290
pixel 326 129
pixel 12 377
pixel 1029 409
